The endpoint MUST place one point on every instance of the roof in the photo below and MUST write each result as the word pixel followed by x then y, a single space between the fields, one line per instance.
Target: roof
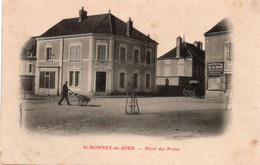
pixel 187 51
pixel 223 26
pixel 97 24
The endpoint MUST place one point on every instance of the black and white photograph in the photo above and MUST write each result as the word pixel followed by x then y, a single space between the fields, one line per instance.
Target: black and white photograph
pixel 129 82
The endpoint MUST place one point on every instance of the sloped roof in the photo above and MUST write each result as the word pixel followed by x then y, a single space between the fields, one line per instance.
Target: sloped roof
pixel 99 24
pixel 222 26
pixel 187 50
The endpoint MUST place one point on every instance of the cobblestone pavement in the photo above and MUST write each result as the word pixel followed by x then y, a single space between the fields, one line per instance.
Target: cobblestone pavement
pixel 169 117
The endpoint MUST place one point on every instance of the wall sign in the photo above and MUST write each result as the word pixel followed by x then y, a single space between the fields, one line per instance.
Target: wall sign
pixel 215 68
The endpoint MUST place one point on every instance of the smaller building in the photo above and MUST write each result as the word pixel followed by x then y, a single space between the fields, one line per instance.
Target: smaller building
pixel 177 67
pixel 219 55
pixel 27 66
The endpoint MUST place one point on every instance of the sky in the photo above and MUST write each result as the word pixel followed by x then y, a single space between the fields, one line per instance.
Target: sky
pixel 164 20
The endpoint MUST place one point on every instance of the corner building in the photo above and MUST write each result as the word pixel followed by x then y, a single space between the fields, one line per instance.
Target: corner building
pixel 96 54
pixel 218 58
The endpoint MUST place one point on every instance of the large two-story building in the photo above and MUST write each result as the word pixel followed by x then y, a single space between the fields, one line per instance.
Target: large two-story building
pixel 219 55
pixel 176 68
pixel 96 54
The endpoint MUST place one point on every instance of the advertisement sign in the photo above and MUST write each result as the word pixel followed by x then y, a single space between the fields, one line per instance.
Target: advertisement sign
pixel 215 68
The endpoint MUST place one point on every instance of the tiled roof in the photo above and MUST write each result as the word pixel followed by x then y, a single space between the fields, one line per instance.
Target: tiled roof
pixel 187 50
pixel 223 26
pixel 99 24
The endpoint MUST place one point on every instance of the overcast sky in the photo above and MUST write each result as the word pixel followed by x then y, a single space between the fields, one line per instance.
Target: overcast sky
pixel 164 20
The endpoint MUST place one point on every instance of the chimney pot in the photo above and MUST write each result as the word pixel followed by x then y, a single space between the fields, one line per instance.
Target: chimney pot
pixel 82 14
pixel 198 44
pixel 178 46
pixel 129 27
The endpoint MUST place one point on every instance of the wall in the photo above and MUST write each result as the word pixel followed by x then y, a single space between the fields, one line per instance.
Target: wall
pixel 129 66
pixel 214 52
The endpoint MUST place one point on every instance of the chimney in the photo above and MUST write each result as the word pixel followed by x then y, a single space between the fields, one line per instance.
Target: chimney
pixel 178 47
pixel 82 15
pixel 129 27
pixel 198 44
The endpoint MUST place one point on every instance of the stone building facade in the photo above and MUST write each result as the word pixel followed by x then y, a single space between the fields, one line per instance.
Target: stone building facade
pixel 98 54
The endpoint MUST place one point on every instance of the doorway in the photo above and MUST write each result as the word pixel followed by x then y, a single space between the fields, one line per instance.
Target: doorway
pixel 100 81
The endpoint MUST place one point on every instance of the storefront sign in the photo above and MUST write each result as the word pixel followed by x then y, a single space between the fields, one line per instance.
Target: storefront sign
pixel 215 68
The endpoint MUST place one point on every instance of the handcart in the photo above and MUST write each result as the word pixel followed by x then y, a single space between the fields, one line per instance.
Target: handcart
pixel 82 100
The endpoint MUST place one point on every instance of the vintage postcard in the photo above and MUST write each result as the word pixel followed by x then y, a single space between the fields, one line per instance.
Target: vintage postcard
pixel 130 82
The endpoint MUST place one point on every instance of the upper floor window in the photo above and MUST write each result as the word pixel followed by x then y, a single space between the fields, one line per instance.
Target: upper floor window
pixel 122 53
pixel 136 55
pixel 228 50
pixel 30 53
pixel 102 51
pixel 30 68
pixel 48 53
pixel 75 53
pixel 148 57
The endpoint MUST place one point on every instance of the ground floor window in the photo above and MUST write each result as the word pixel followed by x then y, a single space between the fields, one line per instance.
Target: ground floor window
pixel 47 80
pixel 121 80
pixel 228 81
pixel 136 81
pixel 74 78
pixel 147 80
pixel 214 83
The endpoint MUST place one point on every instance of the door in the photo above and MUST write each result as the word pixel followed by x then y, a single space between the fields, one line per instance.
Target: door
pixel 100 81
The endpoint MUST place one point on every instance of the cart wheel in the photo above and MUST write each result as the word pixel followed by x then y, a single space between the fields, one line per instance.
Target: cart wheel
pixel 81 102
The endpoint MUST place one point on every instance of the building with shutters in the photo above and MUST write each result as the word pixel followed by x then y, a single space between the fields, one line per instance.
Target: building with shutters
pixel 177 67
pixel 96 54
pixel 219 55
pixel 27 66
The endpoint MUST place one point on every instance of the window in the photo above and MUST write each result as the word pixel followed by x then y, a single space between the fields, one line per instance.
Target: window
pixel 47 80
pixel 102 51
pixel 122 54
pixel 148 57
pixel 75 53
pixel 30 53
pixel 147 80
pixel 228 50
pixel 30 68
pixel 48 53
pixel 136 81
pixel 214 83
pixel 136 55
pixel 167 82
pixel 121 80
pixel 74 78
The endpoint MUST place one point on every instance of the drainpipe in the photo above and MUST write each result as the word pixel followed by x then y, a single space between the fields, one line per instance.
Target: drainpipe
pixel 61 68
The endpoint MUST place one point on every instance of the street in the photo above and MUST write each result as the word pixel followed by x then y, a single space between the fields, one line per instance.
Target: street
pixel 169 117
